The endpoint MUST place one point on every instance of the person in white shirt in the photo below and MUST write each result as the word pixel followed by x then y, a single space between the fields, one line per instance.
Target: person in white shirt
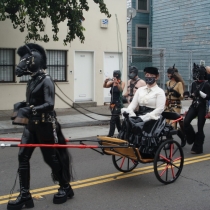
pixel 150 98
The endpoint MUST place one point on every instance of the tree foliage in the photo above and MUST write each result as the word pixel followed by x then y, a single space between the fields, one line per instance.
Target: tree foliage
pixel 31 15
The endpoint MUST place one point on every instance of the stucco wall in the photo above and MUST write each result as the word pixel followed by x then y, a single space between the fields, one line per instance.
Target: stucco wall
pixel 97 40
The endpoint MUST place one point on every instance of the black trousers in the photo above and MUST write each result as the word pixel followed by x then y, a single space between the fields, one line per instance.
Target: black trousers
pixel 57 159
pixel 197 138
pixel 115 120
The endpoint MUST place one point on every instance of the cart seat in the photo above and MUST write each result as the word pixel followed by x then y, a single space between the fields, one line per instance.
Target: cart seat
pixel 128 152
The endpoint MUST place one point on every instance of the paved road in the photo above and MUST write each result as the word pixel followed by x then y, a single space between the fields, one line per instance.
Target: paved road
pixel 99 186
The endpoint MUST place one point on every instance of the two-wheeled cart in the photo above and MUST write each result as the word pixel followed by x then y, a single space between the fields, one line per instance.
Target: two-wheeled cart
pixel 126 154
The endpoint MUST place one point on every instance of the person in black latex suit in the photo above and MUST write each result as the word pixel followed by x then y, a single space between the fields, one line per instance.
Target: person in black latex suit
pixel 200 94
pixel 116 103
pixel 41 127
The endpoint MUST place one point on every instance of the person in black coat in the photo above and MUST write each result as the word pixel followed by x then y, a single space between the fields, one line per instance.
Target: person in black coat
pixel 40 127
pixel 200 94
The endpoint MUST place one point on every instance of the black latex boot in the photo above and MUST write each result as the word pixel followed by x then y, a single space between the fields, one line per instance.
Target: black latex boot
pixel 63 193
pixel 24 199
pixel 112 128
pixel 190 134
pixel 181 135
pixel 197 147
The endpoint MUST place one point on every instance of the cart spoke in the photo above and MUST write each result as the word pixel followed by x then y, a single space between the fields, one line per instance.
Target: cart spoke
pixel 123 159
pixel 121 164
pixel 165 169
pixel 165 158
pixel 172 171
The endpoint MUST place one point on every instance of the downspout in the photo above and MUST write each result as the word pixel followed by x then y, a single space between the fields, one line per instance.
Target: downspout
pixel 150 22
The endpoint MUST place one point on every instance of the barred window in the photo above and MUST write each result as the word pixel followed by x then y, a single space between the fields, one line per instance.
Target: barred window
pixel 143 5
pixel 57 64
pixel 7 65
pixel 142 37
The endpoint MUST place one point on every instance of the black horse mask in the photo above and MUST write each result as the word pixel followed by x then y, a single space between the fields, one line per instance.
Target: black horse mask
pixel 133 72
pixel 199 72
pixel 171 71
pixel 33 59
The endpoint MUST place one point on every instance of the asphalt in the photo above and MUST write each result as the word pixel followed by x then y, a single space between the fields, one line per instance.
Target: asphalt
pixel 70 118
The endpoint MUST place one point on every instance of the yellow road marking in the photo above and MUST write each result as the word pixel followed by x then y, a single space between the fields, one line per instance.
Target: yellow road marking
pixel 101 179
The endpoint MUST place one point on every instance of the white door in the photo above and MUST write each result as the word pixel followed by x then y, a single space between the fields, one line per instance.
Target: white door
pixel 112 61
pixel 83 76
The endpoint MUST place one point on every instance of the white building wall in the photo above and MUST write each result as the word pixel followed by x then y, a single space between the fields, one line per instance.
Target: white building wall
pixel 97 40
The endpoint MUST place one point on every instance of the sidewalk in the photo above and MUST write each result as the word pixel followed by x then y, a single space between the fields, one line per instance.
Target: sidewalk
pixel 70 118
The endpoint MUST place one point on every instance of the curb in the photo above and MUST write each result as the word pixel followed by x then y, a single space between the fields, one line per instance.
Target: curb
pixel 66 125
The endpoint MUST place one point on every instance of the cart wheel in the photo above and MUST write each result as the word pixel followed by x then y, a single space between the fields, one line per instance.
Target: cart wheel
pixel 168 164
pixel 124 164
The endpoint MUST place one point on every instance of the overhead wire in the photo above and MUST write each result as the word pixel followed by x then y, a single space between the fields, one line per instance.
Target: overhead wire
pixel 77 104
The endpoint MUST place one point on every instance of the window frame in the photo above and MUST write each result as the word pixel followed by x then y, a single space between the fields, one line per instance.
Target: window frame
pixel 142 26
pixel 14 65
pixel 139 10
pixel 65 66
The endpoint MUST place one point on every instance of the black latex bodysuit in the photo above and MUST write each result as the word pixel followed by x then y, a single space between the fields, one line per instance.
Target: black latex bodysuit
pixel 197 109
pixel 41 93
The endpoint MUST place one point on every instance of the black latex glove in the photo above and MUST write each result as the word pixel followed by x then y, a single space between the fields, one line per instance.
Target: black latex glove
pixel 17 106
pixel 125 114
pixel 175 93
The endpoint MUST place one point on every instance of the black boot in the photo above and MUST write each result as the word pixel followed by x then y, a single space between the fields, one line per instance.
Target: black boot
pixel 197 147
pixel 111 129
pixel 64 192
pixel 24 198
pixel 181 135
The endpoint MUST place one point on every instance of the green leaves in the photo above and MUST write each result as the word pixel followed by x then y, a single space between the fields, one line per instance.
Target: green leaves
pixel 31 16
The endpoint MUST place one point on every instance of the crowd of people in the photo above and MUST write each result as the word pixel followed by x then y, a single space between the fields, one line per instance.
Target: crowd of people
pixel 147 101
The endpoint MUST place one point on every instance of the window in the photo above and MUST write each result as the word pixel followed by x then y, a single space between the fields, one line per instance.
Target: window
pixel 142 5
pixel 142 36
pixel 7 65
pixel 57 64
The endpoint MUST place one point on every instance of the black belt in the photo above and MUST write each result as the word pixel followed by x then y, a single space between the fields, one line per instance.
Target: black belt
pixel 174 101
pixel 144 110
pixel 42 118
pixel 175 106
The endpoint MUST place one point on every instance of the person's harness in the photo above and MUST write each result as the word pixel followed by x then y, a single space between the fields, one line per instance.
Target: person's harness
pixel 132 86
pixel 196 98
pixel 172 103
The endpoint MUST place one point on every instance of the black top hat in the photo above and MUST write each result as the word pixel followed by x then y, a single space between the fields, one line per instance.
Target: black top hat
pixel 151 70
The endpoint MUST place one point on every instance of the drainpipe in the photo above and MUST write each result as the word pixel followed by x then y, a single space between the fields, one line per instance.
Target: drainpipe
pixel 150 21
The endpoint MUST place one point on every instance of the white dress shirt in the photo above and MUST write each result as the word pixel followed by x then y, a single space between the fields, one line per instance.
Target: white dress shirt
pixel 153 97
